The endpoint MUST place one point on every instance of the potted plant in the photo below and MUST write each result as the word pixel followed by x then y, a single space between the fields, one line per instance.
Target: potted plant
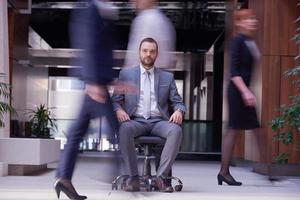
pixel 41 122
pixel 46 151
pixel 4 95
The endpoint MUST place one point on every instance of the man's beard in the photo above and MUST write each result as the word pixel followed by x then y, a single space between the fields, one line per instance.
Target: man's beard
pixel 149 63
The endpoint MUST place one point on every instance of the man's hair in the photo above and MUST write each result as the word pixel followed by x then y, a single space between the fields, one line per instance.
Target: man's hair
pixel 149 39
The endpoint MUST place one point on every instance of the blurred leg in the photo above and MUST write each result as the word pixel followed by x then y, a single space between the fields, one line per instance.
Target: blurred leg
pixel 69 154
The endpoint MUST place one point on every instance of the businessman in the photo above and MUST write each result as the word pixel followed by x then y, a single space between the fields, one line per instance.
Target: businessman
pixel 147 112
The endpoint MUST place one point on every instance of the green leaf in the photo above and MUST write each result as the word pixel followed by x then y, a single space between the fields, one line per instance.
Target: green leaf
pixel 282 158
pixel 41 121
pixel 285 138
pixel 277 123
pixel 5 95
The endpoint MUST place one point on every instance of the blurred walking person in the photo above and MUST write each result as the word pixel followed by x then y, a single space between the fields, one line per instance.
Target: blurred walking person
pixel 241 100
pixel 90 30
pixel 150 22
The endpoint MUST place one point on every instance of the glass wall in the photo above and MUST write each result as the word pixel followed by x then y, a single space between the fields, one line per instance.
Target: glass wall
pixel 65 96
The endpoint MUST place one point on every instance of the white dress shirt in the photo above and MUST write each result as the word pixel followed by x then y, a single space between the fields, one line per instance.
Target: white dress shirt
pixel 154 109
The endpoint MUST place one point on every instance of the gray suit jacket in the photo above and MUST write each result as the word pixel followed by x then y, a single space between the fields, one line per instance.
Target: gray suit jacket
pixel 165 91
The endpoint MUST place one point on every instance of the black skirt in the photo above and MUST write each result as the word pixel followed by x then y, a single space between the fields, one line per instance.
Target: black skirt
pixel 241 117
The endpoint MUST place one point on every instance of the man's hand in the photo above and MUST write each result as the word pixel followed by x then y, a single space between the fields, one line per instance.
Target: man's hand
pixel 176 117
pixel 249 98
pixel 122 115
pixel 96 92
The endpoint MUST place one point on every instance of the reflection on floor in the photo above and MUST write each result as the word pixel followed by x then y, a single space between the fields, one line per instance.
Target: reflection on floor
pixel 92 176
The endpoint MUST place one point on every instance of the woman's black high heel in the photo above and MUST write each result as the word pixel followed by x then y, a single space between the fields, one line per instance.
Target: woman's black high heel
pixel 66 187
pixel 229 181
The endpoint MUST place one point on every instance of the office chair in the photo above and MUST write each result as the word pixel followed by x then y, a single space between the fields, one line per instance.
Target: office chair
pixel 147 181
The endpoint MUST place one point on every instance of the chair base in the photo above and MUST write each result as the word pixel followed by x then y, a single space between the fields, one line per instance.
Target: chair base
pixel 147 183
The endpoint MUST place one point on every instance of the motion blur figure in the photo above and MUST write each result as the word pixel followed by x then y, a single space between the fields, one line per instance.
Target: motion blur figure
pixel 241 101
pixel 151 22
pixel 90 30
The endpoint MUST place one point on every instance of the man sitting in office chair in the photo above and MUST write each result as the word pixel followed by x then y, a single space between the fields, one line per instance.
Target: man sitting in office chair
pixel 147 112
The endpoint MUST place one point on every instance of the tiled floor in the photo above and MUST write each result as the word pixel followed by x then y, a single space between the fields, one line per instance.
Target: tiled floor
pixel 199 178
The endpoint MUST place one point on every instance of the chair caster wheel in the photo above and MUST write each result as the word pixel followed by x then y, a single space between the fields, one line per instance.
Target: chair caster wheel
pixel 114 187
pixel 178 188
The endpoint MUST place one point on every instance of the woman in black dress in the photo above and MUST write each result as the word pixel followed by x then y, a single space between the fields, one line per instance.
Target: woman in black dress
pixel 241 101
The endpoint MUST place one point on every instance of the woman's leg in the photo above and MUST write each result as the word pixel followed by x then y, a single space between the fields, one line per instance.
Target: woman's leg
pixel 227 150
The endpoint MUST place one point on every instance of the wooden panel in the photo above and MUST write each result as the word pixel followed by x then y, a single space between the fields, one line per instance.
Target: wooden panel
pixel 270 100
pixel 20 46
pixel 284 23
pixel 293 13
pixel 11 20
pixel 239 148
pixel 288 89
pixel 258 7
pixel 276 25
pixel 271 28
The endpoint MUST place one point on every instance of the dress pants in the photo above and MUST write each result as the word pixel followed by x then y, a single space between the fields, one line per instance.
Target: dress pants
pixel 158 127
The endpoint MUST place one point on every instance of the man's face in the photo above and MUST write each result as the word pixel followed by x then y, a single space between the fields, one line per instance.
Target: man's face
pixel 148 54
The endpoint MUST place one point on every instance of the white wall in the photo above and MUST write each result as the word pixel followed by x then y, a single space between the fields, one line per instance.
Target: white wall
pixel 37 87
pixel 19 90
pixel 30 89
pixel 65 98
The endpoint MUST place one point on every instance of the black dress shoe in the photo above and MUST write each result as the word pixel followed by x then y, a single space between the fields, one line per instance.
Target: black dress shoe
pixel 228 179
pixel 132 184
pixel 65 186
pixel 162 185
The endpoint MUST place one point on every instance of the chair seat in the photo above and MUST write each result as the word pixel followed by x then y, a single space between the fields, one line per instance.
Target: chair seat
pixel 149 140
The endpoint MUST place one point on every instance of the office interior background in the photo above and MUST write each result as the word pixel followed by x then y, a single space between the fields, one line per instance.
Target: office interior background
pixel 39 58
